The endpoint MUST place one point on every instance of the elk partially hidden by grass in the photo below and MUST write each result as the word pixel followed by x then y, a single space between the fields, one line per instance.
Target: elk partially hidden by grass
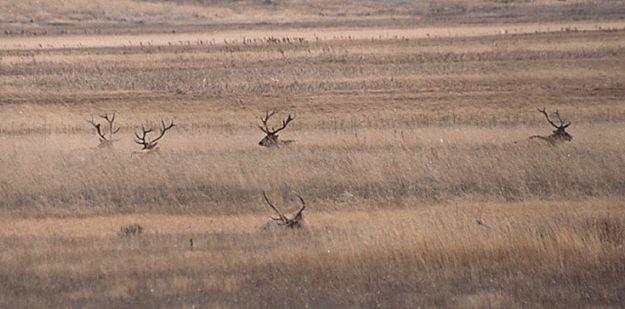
pixel 151 145
pixel 283 221
pixel 559 134
pixel 271 138
pixel 106 138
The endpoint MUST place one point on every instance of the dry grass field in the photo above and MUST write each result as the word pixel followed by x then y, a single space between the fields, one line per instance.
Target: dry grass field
pixel 411 151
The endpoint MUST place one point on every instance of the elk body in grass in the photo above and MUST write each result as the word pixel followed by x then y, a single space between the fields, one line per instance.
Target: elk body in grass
pixel 106 137
pixel 295 221
pixel 272 139
pixel 149 146
pixel 559 134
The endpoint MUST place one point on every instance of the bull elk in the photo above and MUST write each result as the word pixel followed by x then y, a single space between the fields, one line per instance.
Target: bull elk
pixel 283 221
pixel 106 137
pixel 559 134
pixel 271 138
pixel 151 145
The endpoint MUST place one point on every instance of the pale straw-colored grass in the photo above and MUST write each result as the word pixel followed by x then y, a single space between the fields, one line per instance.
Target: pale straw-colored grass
pixel 412 155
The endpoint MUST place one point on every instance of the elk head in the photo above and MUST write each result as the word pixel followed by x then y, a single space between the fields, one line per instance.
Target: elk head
pixel 284 221
pixel 149 145
pixel 559 134
pixel 271 135
pixel 105 140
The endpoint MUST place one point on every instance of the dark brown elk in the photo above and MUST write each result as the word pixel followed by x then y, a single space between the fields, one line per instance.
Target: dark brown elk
pixel 559 134
pixel 283 221
pixel 106 137
pixel 272 139
pixel 150 145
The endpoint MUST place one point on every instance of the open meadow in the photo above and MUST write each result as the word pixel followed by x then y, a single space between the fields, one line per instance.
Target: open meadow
pixel 411 151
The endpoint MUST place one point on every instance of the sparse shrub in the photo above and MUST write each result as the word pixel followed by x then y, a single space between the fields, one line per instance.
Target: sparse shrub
pixel 130 230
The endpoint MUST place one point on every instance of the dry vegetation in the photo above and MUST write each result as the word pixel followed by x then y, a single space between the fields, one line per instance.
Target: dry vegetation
pixel 36 18
pixel 412 154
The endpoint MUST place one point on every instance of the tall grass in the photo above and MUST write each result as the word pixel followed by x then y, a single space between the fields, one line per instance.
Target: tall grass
pixel 530 254
pixel 212 173
pixel 422 187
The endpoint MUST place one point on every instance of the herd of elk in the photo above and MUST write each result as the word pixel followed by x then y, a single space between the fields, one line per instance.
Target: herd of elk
pixel 106 137
pixel 272 140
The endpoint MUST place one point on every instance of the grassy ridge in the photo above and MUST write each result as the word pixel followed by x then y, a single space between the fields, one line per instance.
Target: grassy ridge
pixel 29 17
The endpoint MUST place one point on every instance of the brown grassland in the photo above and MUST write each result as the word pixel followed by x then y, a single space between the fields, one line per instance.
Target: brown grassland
pixel 412 153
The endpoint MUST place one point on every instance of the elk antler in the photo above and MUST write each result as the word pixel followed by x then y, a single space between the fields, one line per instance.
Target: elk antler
pixel 284 220
pixel 284 124
pixel 298 216
pixel 110 121
pixel 562 122
pixel 281 217
pixel 104 140
pixel 265 127
pixel 141 140
pixel 97 128
pixel 544 112
pixel 147 144
pixel 163 129
pixel 562 125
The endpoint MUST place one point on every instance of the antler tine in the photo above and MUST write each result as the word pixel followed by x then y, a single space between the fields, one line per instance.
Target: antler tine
pixel 141 139
pixel 163 129
pixel 137 135
pixel 562 122
pixel 280 216
pixel 265 126
pixel 303 206
pixel 284 123
pixel 110 121
pixel 268 115
pixel 97 127
pixel 92 122
pixel 106 117
pixel 138 139
pixel 544 112
pixel 288 119
pixel 263 129
pixel 146 131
